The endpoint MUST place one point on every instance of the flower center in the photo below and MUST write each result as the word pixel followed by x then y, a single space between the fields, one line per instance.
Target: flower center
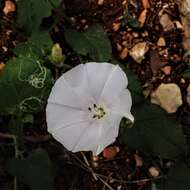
pixel 97 111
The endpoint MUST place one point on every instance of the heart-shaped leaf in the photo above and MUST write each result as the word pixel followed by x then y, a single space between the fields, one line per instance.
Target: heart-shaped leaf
pixel 94 42
pixel 25 84
pixel 154 132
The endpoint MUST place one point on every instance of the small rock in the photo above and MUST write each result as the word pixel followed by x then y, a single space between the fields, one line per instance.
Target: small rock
pixel 100 2
pixel 178 25
pixel 188 95
pixel 138 51
pixel 161 42
pixel 153 171
pixel 168 96
pixel 144 34
pixel 166 22
pixel 9 7
pixel 135 34
pixel 124 53
pixel 167 70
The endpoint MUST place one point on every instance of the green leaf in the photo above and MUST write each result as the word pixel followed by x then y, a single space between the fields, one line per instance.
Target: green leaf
pixel 27 118
pixel 38 45
pixel 25 84
pixel 134 87
pixel 178 178
pixel 31 13
pixel 154 132
pixel 34 171
pixel 55 3
pixel 130 21
pixel 94 42
pixel 186 74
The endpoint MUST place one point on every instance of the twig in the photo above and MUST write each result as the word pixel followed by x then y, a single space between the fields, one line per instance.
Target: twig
pixel 105 183
pixel 133 181
pixel 87 163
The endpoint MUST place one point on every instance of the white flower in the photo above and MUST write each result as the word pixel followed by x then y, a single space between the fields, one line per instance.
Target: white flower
pixel 86 105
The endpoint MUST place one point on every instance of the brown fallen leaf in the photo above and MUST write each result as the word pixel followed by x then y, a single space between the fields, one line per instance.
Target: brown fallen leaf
pixel 116 26
pixel 124 53
pixel 188 95
pixel 110 152
pixel 155 62
pixel 9 7
pixel 146 4
pixel 2 66
pixel 142 17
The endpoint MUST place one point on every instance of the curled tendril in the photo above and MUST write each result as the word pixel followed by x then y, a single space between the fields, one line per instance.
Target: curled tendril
pixel 37 79
pixel 30 104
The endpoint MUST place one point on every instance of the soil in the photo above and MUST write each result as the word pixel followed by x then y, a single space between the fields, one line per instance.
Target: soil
pixel 81 171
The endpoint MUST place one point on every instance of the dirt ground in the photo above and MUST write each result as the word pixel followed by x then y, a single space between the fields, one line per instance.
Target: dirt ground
pixel 165 62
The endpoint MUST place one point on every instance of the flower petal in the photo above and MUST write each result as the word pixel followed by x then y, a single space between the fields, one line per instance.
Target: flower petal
pixel 59 116
pixel 116 82
pixel 62 93
pixel 122 105
pixel 89 139
pixel 70 136
pixel 77 79
pixel 109 132
pixel 98 74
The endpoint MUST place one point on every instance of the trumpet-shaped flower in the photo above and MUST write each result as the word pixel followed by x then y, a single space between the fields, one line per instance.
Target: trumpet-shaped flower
pixel 86 105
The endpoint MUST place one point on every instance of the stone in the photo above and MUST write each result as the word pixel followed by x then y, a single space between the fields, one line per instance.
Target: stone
pixel 161 42
pixel 153 171
pixel 138 51
pixel 166 22
pixel 168 96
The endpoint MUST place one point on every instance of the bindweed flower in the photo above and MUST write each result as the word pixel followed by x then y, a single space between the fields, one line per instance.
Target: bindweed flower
pixel 86 105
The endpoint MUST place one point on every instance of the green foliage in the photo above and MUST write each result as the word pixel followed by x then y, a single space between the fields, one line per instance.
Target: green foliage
pixel 153 130
pixel 55 3
pixel 134 87
pixel 186 74
pixel 178 178
pixel 25 84
pixel 94 43
pixel 130 21
pixel 31 13
pixel 39 46
pixel 34 171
